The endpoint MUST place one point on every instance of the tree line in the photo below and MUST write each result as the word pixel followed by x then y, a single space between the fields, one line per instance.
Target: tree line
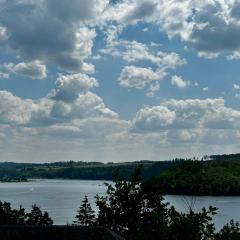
pixel 137 211
pixel 218 177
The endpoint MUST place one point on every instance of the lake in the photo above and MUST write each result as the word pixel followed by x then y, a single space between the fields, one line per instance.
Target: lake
pixel 62 198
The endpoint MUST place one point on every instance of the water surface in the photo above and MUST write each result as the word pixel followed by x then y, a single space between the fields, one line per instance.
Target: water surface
pixel 62 198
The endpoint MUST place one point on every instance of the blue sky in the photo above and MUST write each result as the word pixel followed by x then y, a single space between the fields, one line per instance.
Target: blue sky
pixel 100 80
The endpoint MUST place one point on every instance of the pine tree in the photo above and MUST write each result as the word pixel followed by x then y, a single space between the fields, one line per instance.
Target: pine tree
pixel 37 217
pixel 85 216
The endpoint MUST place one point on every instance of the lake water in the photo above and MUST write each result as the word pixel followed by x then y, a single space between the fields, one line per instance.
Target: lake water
pixel 62 198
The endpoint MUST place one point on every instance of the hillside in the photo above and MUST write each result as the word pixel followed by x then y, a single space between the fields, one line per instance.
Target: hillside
pixel 218 176
pixel 213 175
pixel 81 170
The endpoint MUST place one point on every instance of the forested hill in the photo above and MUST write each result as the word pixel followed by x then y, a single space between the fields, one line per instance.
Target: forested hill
pixel 213 175
pixel 81 170
pixel 219 175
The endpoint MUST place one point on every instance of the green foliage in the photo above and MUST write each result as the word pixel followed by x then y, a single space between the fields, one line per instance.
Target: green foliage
pixel 129 209
pixel 138 211
pixel 80 170
pixel 36 217
pixel 85 216
pixel 230 231
pixel 196 226
pixel 9 216
pixel 202 178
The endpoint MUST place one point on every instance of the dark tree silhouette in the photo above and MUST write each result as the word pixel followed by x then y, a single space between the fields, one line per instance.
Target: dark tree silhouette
pixel 230 231
pixel 131 210
pixel 37 217
pixel 11 216
pixel 137 211
pixel 85 214
pixel 19 217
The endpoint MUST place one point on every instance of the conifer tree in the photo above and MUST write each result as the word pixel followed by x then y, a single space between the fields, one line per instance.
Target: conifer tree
pixel 85 216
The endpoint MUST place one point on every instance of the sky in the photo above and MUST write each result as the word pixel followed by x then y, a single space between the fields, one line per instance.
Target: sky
pixel 118 80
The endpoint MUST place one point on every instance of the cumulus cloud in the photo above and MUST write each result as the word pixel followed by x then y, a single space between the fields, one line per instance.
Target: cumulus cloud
pixel 14 109
pixel 216 30
pixel 75 120
pixel 70 100
pixel 133 51
pixel 139 78
pixel 64 34
pixel 3 75
pixel 34 70
pixel 187 114
pixel 86 105
pixel 179 82
pixel 68 87
pixel 51 31
pixel 171 16
pixel 153 119
pixel 140 11
pixel 210 27
pixel 3 34
pixel 236 86
pixel 205 89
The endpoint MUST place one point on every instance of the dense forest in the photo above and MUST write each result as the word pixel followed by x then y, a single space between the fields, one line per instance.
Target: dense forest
pixel 211 175
pixel 220 176
pixel 81 170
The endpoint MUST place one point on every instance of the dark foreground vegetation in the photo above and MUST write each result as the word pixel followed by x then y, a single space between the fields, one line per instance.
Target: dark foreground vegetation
pixel 55 233
pixel 133 209
pixel 16 224
pixel 136 210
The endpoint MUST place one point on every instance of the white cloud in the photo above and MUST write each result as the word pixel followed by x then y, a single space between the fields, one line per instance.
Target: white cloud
pixel 140 11
pixel 68 87
pixel 236 86
pixel 71 120
pixel 51 31
pixel 153 119
pixel 86 123
pixel 170 16
pixel 14 109
pixel 139 78
pixel 84 106
pixel 210 27
pixel 87 68
pixel 3 75
pixel 69 101
pixel 187 114
pixel 34 70
pixel 3 34
pixel 179 82
pixel 205 89
pixel 153 88
pixel 133 51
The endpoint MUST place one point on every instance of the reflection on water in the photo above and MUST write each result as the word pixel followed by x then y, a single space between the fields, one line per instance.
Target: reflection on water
pixel 61 198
